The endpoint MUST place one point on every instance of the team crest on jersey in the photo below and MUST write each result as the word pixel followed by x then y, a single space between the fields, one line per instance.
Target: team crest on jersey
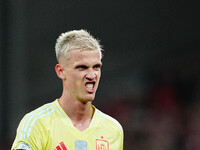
pixel 102 144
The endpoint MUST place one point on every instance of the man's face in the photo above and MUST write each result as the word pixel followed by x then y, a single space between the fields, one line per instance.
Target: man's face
pixel 83 71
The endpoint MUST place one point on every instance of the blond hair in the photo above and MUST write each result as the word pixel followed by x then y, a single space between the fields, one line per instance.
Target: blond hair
pixel 75 40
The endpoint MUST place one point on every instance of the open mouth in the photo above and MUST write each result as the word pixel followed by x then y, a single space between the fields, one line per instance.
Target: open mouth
pixel 90 85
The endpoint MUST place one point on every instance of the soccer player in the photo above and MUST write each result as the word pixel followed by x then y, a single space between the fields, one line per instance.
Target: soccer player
pixel 72 122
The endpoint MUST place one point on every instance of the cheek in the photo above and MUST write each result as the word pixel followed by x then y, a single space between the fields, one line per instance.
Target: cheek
pixel 98 78
pixel 76 79
pixel 71 79
pixel 99 75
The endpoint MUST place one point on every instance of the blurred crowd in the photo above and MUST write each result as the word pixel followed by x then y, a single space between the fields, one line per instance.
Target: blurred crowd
pixel 166 118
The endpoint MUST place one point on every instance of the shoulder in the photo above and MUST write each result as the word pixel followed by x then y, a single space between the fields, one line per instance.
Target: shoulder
pixel 108 120
pixel 37 117
pixel 41 111
pixel 33 127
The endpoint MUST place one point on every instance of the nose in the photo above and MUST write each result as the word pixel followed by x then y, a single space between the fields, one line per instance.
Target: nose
pixel 91 76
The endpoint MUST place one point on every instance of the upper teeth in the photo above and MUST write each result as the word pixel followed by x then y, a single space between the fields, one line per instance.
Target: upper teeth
pixel 89 86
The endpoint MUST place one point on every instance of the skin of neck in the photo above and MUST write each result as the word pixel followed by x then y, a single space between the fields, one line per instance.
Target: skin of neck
pixel 79 112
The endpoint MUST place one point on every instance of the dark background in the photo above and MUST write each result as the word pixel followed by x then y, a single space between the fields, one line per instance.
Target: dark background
pixel 151 67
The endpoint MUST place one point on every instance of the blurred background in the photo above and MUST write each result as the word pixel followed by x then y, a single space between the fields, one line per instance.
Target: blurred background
pixel 151 68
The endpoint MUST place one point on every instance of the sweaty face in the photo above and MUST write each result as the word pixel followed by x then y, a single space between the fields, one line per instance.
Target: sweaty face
pixel 83 71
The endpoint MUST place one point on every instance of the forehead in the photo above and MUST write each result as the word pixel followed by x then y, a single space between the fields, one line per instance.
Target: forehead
pixel 87 56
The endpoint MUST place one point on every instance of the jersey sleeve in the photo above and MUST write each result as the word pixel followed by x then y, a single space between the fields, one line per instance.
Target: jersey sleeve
pixel 30 131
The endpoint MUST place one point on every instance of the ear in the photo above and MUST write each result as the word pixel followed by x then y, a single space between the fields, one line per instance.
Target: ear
pixel 60 71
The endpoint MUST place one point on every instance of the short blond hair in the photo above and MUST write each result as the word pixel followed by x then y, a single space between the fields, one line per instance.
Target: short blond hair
pixel 76 40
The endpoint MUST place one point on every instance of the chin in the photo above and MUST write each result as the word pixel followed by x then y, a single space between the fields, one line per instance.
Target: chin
pixel 88 99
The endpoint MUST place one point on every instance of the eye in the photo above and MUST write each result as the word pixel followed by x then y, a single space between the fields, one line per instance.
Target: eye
pixel 81 67
pixel 98 66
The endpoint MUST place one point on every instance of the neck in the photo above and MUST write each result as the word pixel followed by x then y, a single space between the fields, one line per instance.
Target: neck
pixel 79 112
